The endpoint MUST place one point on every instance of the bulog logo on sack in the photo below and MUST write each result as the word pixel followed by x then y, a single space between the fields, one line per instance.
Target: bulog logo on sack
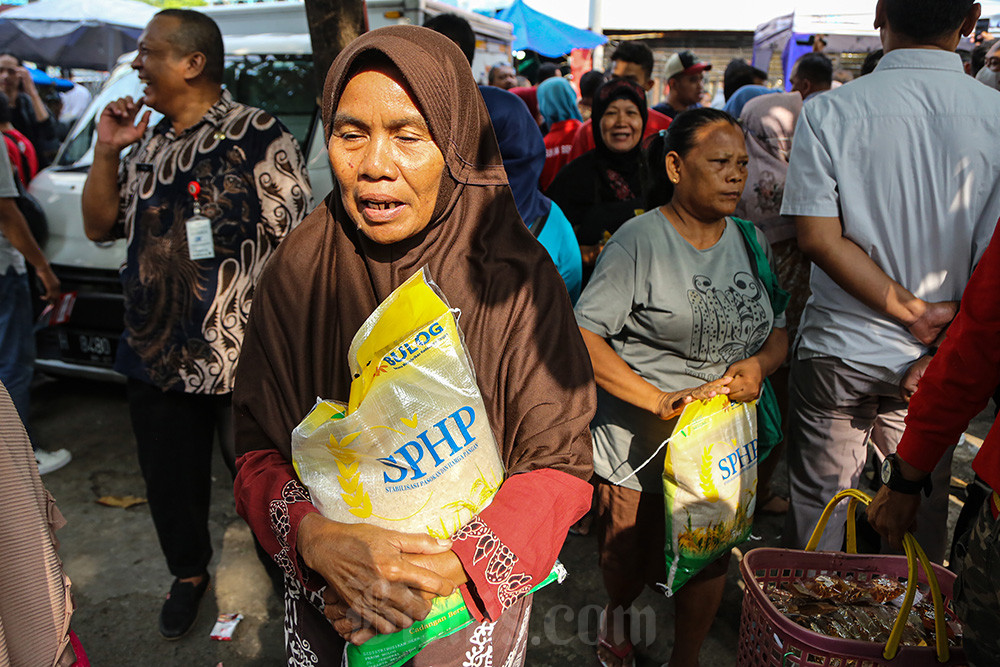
pixel 412 348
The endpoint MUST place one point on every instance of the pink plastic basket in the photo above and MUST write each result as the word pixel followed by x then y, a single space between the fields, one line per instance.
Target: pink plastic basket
pixel 769 638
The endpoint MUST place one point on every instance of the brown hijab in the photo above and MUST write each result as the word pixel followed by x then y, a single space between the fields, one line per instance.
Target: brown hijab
pixel 326 278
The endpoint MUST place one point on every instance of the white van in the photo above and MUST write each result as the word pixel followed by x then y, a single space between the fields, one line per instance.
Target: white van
pixel 273 71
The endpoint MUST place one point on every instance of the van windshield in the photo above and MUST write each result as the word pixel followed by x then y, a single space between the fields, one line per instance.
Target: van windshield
pixel 282 85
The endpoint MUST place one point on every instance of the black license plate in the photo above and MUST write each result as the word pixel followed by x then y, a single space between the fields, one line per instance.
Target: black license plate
pixel 87 347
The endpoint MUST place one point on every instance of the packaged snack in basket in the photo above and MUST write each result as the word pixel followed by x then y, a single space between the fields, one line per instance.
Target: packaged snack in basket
pixel 864 610
pixel 709 485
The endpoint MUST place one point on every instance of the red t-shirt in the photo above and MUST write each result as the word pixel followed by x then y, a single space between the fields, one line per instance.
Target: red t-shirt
pixel 960 380
pixel 558 143
pixel 584 140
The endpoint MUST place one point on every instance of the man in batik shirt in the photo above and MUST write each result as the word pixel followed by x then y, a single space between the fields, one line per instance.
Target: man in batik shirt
pixel 203 199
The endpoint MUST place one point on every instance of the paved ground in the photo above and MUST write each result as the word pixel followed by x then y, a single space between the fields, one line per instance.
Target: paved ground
pixel 119 578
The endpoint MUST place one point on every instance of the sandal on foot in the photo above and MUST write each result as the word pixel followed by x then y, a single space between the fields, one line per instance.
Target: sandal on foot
pixel 621 656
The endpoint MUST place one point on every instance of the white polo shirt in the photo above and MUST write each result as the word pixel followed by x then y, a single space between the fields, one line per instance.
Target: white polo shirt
pixel 909 158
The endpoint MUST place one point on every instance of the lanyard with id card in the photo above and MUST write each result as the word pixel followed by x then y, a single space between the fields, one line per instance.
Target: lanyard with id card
pixel 201 244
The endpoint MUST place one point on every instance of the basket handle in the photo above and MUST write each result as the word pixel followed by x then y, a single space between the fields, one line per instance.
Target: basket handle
pixel 914 554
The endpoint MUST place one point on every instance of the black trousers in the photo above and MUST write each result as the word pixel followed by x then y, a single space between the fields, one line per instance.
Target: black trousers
pixel 174 433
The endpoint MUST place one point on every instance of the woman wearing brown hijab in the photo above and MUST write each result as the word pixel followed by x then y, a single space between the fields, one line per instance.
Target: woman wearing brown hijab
pixel 419 182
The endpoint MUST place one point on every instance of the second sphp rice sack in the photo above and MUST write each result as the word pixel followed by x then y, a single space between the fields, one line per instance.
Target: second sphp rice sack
pixel 709 485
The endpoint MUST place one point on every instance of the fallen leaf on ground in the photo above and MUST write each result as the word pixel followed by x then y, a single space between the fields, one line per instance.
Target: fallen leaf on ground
pixel 121 501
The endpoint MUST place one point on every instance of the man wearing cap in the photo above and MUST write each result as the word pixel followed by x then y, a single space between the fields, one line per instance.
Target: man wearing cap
pixel 203 198
pixel 633 61
pixel 684 84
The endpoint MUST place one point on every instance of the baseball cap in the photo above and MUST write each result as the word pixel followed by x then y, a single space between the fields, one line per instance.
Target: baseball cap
pixel 685 62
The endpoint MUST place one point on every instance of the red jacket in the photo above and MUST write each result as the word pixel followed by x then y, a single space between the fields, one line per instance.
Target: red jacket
pixel 558 142
pixel 584 140
pixel 960 380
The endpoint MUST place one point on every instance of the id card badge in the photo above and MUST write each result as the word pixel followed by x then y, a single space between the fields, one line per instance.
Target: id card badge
pixel 201 245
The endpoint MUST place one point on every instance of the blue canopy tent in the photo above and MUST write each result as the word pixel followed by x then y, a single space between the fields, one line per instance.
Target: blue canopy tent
pixel 535 31
pixel 42 79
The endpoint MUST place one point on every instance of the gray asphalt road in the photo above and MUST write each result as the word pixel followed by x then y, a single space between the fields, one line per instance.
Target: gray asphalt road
pixel 119 579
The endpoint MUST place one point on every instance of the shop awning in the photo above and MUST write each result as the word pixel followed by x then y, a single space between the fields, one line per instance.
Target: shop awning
pixel 545 35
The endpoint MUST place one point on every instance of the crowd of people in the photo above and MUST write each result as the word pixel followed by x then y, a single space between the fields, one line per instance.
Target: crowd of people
pixel 33 120
pixel 613 263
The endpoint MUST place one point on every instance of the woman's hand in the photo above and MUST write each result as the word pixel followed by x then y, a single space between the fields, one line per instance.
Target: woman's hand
pixel 445 564
pixel 672 403
pixel 345 620
pixel 353 628
pixel 748 376
pixel 367 571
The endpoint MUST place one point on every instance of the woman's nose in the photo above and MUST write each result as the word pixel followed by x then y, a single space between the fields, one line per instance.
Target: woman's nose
pixel 377 162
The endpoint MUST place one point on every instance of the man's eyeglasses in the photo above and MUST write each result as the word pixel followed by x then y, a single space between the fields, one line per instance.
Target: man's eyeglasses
pixel 993 62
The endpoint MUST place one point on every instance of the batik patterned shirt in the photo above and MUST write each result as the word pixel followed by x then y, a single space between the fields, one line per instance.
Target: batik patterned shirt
pixel 185 318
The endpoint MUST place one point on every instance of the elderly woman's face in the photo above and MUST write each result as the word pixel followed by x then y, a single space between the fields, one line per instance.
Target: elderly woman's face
pixel 621 126
pixel 388 166
pixel 710 178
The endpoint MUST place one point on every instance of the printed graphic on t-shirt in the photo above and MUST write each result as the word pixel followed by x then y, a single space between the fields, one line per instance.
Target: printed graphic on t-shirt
pixel 728 322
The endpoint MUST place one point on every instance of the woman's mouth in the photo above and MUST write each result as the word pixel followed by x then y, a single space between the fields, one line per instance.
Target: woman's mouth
pixel 381 209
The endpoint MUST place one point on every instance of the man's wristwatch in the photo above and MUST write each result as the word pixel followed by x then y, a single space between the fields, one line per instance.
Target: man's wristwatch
pixel 893 478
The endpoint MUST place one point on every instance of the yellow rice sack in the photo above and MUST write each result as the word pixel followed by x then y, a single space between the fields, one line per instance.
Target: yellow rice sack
pixel 413 450
pixel 709 485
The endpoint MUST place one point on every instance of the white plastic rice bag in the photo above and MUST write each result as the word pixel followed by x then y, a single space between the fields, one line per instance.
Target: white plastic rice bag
pixel 413 450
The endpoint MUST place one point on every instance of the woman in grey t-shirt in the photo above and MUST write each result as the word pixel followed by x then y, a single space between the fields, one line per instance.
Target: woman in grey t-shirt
pixel 674 312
